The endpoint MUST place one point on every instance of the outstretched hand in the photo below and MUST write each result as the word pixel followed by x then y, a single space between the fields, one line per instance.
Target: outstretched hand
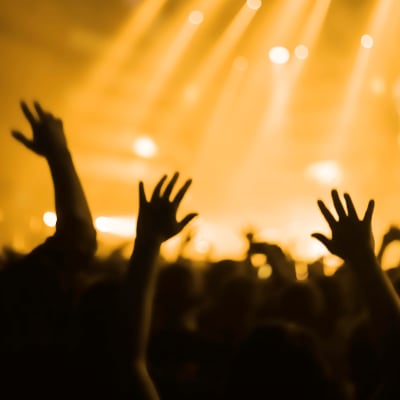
pixel 350 235
pixel 47 132
pixel 157 217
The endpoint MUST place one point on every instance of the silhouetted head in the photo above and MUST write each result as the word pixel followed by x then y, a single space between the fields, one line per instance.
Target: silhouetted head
pixel 279 361
pixel 301 303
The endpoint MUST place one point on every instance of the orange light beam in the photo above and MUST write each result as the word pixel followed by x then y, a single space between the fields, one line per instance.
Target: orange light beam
pixel 281 96
pixel 221 120
pixel 379 16
pixel 212 63
pixel 122 44
pixel 168 64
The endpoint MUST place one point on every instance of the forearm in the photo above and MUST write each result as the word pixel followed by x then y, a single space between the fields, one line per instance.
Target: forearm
pixel 380 296
pixel 70 200
pixel 141 282
pixel 381 251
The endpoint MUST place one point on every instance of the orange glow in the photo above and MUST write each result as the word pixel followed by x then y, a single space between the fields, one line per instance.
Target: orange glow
pixel 153 86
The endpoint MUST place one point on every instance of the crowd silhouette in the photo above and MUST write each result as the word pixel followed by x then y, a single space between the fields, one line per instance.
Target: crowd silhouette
pixel 76 326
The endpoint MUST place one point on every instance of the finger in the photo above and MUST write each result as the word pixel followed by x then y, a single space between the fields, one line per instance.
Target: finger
pixel 157 189
pixel 323 239
pixel 28 114
pixel 186 220
pixel 327 214
pixel 142 194
pixel 178 198
pixel 20 137
pixel 39 110
pixel 338 204
pixel 171 185
pixel 350 206
pixel 368 214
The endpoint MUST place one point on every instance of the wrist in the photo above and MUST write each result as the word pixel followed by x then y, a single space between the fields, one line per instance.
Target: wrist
pixel 58 155
pixel 363 257
pixel 148 241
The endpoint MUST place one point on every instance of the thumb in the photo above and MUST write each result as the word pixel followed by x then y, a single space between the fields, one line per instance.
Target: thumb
pixel 20 137
pixel 323 239
pixel 186 220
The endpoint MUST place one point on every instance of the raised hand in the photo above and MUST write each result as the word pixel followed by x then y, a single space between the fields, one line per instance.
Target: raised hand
pixel 351 236
pixel 391 235
pixel 47 131
pixel 157 216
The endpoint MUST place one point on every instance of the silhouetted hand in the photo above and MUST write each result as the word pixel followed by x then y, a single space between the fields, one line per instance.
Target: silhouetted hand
pixel 157 216
pixel 391 235
pixel 350 235
pixel 47 132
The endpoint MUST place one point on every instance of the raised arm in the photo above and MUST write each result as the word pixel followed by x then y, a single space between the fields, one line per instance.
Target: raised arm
pixel 392 235
pixel 157 222
pixel 74 220
pixel 353 241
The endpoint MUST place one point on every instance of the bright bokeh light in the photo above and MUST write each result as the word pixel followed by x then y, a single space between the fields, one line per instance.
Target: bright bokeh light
pixel 119 226
pixel 367 41
pixel 324 172
pixel 258 260
pixel 254 4
pixel 50 219
pixel 196 17
pixel 241 63
pixel 145 147
pixel 264 272
pixel 301 52
pixel 279 55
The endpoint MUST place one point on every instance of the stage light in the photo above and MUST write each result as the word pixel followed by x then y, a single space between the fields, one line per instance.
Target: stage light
pixel 50 219
pixel 367 41
pixel 301 52
pixel 119 226
pixel 196 17
pixel 254 4
pixel 324 172
pixel 145 147
pixel 279 55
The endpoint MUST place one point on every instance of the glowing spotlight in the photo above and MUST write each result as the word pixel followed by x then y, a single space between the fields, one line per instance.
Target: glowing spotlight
pixel 367 41
pixel 279 55
pixel 254 4
pixel 196 17
pixel 324 172
pixel 264 272
pixel 119 226
pixel 301 52
pixel 50 219
pixel 240 63
pixel 145 147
